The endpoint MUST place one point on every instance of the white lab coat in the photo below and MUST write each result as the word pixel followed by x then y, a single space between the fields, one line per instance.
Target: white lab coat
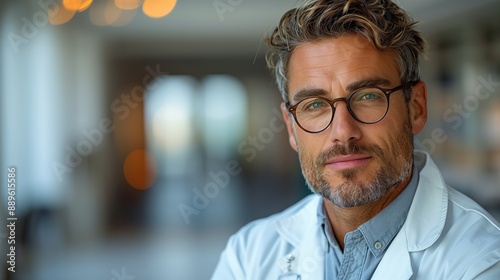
pixel 446 236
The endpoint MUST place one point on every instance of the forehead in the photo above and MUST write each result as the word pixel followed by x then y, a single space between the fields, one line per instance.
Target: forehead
pixel 333 63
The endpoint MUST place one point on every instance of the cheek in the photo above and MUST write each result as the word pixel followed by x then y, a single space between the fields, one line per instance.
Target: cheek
pixel 392 126
pixel 384 134
pixel 307 143
pixel 307 149
pixel 397 141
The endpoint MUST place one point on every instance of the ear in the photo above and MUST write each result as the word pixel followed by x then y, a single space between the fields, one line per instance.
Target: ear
pixel 418 107
pixel 289 126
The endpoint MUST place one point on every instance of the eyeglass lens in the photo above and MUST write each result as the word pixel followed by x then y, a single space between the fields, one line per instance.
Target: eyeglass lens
pixel 367 105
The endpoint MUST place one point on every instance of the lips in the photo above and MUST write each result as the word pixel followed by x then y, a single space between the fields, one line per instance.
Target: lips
pixel 348 161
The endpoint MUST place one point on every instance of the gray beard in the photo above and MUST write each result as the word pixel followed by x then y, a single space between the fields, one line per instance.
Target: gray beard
pixel 351 194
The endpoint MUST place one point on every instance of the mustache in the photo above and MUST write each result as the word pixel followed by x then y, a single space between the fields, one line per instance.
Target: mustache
pixel 350 148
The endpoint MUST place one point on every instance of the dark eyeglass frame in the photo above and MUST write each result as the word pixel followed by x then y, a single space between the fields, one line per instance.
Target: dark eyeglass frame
pixel 387 93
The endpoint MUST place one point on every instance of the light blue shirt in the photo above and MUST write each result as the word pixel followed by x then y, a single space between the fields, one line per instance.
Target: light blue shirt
pixel 365 246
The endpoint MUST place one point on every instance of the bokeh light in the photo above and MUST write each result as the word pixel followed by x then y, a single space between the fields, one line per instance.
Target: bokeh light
pixel 139 170
pixel 76 5
pixel 128 4
pixel 84 5
pixel 61 15
pixel 158 8
pixel 111 13
pixel 104 13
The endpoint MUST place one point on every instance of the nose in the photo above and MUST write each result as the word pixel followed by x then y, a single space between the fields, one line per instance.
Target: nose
pixel 344 128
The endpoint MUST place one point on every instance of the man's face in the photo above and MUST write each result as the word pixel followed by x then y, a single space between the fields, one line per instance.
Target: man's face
pixel 351 163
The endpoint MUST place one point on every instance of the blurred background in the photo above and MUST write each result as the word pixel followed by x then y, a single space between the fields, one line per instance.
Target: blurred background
pixel 145 133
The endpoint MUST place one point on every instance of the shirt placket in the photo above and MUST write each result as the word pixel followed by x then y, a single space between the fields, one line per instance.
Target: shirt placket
pixel 355 251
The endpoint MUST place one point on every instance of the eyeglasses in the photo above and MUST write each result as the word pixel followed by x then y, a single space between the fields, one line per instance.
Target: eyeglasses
pixel 367 105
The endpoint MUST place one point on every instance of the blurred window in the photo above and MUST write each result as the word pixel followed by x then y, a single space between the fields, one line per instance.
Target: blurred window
pixel 223 115
pixel 180 107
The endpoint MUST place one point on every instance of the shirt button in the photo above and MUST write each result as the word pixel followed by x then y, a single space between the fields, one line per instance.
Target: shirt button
pixel 378 245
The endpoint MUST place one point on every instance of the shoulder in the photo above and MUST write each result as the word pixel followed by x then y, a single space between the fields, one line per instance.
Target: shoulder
pixel 451 233
pixel 434 198
pixel 469 246
pixel 462 207
pixel 257 247
pixel 471 219
pixel 470 241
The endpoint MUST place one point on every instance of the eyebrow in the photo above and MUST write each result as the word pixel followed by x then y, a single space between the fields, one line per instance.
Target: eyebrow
pixel 311 92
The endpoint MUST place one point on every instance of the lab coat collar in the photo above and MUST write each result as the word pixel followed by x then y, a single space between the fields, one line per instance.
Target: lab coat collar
pixel 423 226
pixel 427 215
pixel 295 227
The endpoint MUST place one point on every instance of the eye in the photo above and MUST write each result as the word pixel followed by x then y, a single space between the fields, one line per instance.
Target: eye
pixel 314 104
pixel 368 96
pixel 317 104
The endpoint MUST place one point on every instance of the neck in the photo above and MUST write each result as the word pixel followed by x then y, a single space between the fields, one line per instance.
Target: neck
pixel 344 220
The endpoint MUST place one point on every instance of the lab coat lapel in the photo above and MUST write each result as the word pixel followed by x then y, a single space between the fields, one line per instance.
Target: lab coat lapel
pixel 423 226
pixel 308 258
pixel 396 263
pixel 303 232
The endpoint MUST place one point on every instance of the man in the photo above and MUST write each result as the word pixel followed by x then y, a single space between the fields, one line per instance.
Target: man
pixel 353 99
